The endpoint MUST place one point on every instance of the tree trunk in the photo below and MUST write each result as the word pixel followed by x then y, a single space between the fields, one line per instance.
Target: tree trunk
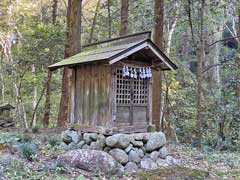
pixel 109 20
pixel 54 11
pixel 72 47
pixel 201 54
pixel 49 75
pixel 34 96
pixel 48 100
pixel 94 23
pixel 157 75
pixel 124 17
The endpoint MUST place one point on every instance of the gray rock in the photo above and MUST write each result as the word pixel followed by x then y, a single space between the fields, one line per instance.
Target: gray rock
pixel 80 144
pixel 93 136
pixel 135 143
pixel 172 161
pixel 155 141
pixel 128 148
pixel 91 160
pixel 63 145
pixel 154 155
pixel 106 149
pixel 100 142
pixel 133 157
pixel 141 137
pixel 111 141
pixel 148 163
pixel 86 138
pixel 85 146
pixel 93 146
pixel 119 155
pixel 139 152
pixel 72 145
pixel 163 152
pixel 69 136
pixel 162 162
pixel 118 141
pixel 131 167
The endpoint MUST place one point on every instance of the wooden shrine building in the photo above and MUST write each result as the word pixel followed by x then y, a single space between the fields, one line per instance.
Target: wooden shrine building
pixel 111 84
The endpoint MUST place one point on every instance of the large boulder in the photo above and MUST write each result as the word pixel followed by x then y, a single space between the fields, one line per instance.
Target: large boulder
pixel 91 160
pixel 155 141
pixel 134 157
pixel 69 136
pixel 148 163
pixel 118 141
pixel 120 155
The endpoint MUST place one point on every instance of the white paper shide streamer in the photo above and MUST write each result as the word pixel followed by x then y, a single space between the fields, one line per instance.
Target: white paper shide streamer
pixel 132 72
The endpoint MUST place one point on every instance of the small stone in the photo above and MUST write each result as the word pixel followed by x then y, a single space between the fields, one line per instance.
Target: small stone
pixel 128 148
pixel 118 141
pixel 135 143
pixel 131 167
pixel 93 136
pixel 119 155
pixel 171 160
pixel 107 149
pixel 86 138
pixel 67 139
pixel 85 146
pixel 100 143
pixel 142 137
pixel 68 134
pixel 162 162
pixel 72 145
pixel 154 155
pixel 155 141
pixel 93 146
pixel 139 152
pixel 148 163
pixel 133 157
pixel 111 141
pixel 80 144
pixel 163 152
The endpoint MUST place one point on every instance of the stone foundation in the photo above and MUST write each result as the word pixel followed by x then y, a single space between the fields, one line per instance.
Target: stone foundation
pixel 133 151
pixel 6 122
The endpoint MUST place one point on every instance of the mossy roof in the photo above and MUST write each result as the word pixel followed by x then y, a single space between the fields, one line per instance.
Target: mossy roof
pixel 93 55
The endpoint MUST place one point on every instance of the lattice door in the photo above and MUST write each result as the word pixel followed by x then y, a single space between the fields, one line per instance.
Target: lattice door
pixel 132 97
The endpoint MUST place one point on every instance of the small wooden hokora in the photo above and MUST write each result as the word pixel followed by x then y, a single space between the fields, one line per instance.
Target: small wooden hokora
pixel 111 84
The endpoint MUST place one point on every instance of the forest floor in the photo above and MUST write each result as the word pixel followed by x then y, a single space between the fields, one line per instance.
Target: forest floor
pixel 193 164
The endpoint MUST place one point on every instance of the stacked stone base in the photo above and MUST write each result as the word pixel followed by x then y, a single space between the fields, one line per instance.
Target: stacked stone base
pixel 6 122
pixel 133 151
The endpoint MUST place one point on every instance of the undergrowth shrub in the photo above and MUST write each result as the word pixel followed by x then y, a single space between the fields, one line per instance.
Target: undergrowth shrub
pixel 35 130
pixel 53 141
pixel 28 151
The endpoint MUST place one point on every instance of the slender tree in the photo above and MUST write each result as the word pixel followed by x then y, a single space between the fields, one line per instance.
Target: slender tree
pixel 201 57
pixel 124 17
pixel 72 47
pixel 157 75
pixel 49 74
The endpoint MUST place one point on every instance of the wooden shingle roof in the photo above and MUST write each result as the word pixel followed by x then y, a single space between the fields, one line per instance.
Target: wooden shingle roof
pixel 117 51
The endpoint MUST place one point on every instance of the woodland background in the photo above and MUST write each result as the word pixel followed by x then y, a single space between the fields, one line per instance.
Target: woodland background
pixel 199 100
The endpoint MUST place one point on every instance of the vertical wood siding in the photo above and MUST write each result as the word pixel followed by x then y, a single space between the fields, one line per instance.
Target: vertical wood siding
pixel 93 92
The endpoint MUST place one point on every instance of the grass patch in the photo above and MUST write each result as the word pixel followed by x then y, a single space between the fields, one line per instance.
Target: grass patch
pixel 169 173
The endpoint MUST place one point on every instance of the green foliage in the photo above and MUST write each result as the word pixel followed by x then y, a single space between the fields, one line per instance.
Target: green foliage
pixel 60 167
pixel 28 151
pixel 35 130
pixel 53 141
